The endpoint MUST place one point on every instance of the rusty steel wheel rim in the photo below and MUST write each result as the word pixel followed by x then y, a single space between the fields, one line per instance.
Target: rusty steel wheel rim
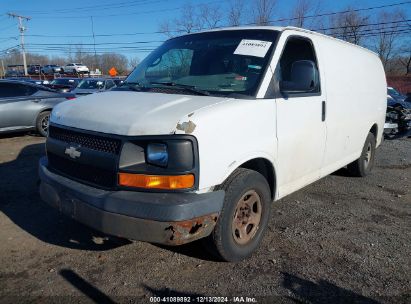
pixel 247 217
pixel 368 156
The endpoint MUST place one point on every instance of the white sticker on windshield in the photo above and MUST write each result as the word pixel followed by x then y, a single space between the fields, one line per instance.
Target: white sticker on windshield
pixel 256 48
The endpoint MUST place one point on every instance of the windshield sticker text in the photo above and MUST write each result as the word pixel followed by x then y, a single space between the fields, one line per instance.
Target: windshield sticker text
pixel 256 48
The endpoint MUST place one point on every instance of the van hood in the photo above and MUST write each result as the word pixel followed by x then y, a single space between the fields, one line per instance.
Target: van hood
pixel 130 113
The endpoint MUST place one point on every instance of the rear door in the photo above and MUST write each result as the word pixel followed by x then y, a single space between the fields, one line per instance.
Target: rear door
pixel 301 128
pixel 17 105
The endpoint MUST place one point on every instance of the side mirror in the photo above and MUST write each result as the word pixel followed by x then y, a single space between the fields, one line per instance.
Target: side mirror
pixel 304 78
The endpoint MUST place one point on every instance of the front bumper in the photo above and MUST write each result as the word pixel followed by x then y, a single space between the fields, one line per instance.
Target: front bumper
pixel 164 218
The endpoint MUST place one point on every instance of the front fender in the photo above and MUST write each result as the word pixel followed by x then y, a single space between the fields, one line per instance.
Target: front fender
pixel 230 134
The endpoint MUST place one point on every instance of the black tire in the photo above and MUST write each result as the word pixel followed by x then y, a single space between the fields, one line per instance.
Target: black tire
pixel 42 123
pixel 224 240
pixel 363 166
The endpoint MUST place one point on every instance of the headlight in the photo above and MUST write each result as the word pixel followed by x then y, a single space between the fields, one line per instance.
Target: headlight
pixel 164 162
pixel 157 154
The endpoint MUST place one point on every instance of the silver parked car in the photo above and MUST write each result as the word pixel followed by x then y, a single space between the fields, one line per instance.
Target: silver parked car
pixel 75 68
pixel 50 69
pixel 26 106
pixel 93 85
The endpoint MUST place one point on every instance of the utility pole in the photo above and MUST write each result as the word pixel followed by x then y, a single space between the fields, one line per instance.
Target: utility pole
pixel 3 74
pixel 21 29
pixel 94 39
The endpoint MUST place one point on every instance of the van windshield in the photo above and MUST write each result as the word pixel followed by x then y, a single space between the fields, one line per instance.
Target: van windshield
pixel 218 63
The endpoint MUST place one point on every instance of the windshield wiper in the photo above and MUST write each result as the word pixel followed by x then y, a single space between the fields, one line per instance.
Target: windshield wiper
pixel 186 87
pixel 135 86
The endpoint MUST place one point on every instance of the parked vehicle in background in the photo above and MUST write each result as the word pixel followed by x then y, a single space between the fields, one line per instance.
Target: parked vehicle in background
pixel 211 128
pixel 26 106
pixel 63 84
pixel 33 69
pixel 93 85
pixel 26 79
pixel 50 69
pixel 75 68
pixel 398 118
pixel 16 70
pixel 118 82
pixel 13 73
pixel 394 94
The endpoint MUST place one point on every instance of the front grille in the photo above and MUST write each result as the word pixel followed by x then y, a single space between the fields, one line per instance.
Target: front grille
pixel 94 142
pixel 86 173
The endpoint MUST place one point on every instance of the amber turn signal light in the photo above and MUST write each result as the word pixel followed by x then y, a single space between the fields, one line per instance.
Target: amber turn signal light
pixel 169 182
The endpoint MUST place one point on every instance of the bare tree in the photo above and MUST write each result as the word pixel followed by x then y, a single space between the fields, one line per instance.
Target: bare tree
pixel 303 12
pixel 385 41
pixel 209 16
pixel 405 59
pixel 109 60
pixel 263 11
pixel 166 28
pixel 59 60
pixel 79 53
pixel 350 26
pixel 133 62
pixel 14 58
pixel 236 12
pixel 188 20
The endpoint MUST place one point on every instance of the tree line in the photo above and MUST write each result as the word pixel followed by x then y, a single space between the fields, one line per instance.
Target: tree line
pixel 103 62
pixel 384 31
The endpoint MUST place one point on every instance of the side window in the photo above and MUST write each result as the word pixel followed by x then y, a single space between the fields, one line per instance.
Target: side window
pixel 298 68
pixel 16 90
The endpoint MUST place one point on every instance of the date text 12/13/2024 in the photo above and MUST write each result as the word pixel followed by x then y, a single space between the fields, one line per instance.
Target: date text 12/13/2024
pixel 202 299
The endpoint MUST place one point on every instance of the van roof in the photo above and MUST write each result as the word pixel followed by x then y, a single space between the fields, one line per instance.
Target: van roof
pixel 282 29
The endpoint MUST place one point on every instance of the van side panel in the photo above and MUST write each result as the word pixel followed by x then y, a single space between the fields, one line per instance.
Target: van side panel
pixel 356 100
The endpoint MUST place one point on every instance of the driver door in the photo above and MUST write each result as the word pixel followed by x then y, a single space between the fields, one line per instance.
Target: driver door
pixel 301 126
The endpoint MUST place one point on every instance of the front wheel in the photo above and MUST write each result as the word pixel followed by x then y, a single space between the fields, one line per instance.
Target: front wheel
pixel 244 216
pixel 363 166
pixel 42 124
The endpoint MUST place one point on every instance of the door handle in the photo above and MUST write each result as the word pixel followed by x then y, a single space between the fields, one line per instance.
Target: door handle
pixel 323 111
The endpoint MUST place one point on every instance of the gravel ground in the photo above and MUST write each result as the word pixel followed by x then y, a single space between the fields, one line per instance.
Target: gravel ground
pixel 341 239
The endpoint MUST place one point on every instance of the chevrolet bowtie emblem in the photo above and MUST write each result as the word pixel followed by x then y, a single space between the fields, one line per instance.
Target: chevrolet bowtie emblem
pixel 72 152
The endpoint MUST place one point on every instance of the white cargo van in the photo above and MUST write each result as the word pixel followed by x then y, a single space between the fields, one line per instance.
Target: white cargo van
pixel 211 128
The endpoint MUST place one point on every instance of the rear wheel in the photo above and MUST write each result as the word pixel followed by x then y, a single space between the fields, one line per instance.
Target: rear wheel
pixel 42 124
pixel 244 216
pixel 363 166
